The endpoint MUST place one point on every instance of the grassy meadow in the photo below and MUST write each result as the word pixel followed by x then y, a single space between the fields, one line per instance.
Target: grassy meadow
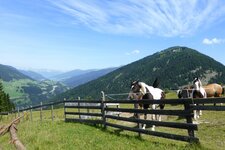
pixel 57 134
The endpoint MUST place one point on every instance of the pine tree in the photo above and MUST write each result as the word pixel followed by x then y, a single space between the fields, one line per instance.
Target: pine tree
pixel 5 104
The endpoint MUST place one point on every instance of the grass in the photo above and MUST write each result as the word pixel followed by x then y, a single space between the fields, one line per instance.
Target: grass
pixel 60 135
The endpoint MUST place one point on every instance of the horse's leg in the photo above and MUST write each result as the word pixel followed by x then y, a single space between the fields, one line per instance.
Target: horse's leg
pixel 200 112
pixel 159 118
pixel 195 113
pixel 153 117
pixel 136 114
pixel 144 125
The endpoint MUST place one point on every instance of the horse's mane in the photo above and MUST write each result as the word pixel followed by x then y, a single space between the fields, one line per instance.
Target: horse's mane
pixel 143 87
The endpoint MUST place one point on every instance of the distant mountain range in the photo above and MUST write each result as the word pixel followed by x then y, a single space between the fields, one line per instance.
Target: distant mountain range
pixel 47 73
pixel 29 87
pixel 33 75
pixel 70 74
pixel 86 77
pixel 175 67
pixel 25 89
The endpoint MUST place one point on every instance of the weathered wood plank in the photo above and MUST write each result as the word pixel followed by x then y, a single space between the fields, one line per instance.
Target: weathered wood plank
pixel 83 113
pixel 83 101
pixel 155 133
pixel 157 123
pixel 213 108
pixel 160 112
pixel 84 107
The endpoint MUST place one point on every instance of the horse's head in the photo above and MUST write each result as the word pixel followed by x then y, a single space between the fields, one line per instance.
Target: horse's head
pixel 135 90
pixel 197 84
pixel 135 86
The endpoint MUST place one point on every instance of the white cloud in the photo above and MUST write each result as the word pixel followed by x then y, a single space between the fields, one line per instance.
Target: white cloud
pixel 133 52
pixel 161 17
pixel 213 41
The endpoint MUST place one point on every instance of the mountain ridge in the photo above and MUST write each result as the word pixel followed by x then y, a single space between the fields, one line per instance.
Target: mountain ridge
pixel 24 90
pixel 8 73
pixel 175 67
pixel 86 77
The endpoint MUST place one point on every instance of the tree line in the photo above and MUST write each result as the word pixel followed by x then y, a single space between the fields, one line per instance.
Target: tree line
pixel 5 103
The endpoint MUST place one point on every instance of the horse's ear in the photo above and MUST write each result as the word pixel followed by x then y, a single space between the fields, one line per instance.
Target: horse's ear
pixel 134 82
pixel 195 79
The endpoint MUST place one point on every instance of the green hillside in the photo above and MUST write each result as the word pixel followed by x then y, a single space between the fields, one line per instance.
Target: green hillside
pixel 175 67
pixel 8 73
pixel 24 90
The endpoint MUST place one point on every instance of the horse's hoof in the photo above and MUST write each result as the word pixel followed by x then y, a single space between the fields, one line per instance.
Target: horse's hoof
pixel 195 122
pixel 143 126
pixel 153 129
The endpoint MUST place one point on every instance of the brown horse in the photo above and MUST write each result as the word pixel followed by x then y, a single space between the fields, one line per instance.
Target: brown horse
pixel 213 90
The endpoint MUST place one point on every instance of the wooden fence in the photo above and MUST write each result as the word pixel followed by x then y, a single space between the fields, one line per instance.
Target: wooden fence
pixel 101 108
pixel 104 111
pixel 29 110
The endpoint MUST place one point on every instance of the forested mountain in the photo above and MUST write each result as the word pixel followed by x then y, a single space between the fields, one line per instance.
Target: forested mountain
pixel 84 78
pixel 8 73
pixel 24 90
pixel 70 74
pixel 175 67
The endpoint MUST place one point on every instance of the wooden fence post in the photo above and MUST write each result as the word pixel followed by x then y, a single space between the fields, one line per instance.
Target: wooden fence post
pixel 18 109
pixel 31 116
pixel 22 113
pixel 52 112
pixel 187 107
pixel 15 112
pixel 64 108
pixel 103 109
pixel 79 108
pixel 137 115
pixel 41 112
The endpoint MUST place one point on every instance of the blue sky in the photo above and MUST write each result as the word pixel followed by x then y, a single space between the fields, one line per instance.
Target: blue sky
pixel 87 34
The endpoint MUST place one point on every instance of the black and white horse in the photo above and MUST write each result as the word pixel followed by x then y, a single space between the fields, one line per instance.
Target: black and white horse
pixel 140 90
pixel 198 92
pixel 194 91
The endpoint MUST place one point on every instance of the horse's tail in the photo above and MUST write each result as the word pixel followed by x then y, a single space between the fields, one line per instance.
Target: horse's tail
pixel 163 96
pixel 223 90
pixel 155 83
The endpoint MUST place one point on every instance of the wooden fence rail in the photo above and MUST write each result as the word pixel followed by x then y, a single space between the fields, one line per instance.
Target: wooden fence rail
pixel 102 108
pixel 104 111
pixel 40 107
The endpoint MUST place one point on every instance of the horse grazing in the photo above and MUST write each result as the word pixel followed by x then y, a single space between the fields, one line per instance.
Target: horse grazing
pixel 198 92
pixel 140 91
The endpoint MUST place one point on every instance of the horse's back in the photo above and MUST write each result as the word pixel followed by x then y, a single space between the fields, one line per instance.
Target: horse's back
pixel 157 93
pixel 213 90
